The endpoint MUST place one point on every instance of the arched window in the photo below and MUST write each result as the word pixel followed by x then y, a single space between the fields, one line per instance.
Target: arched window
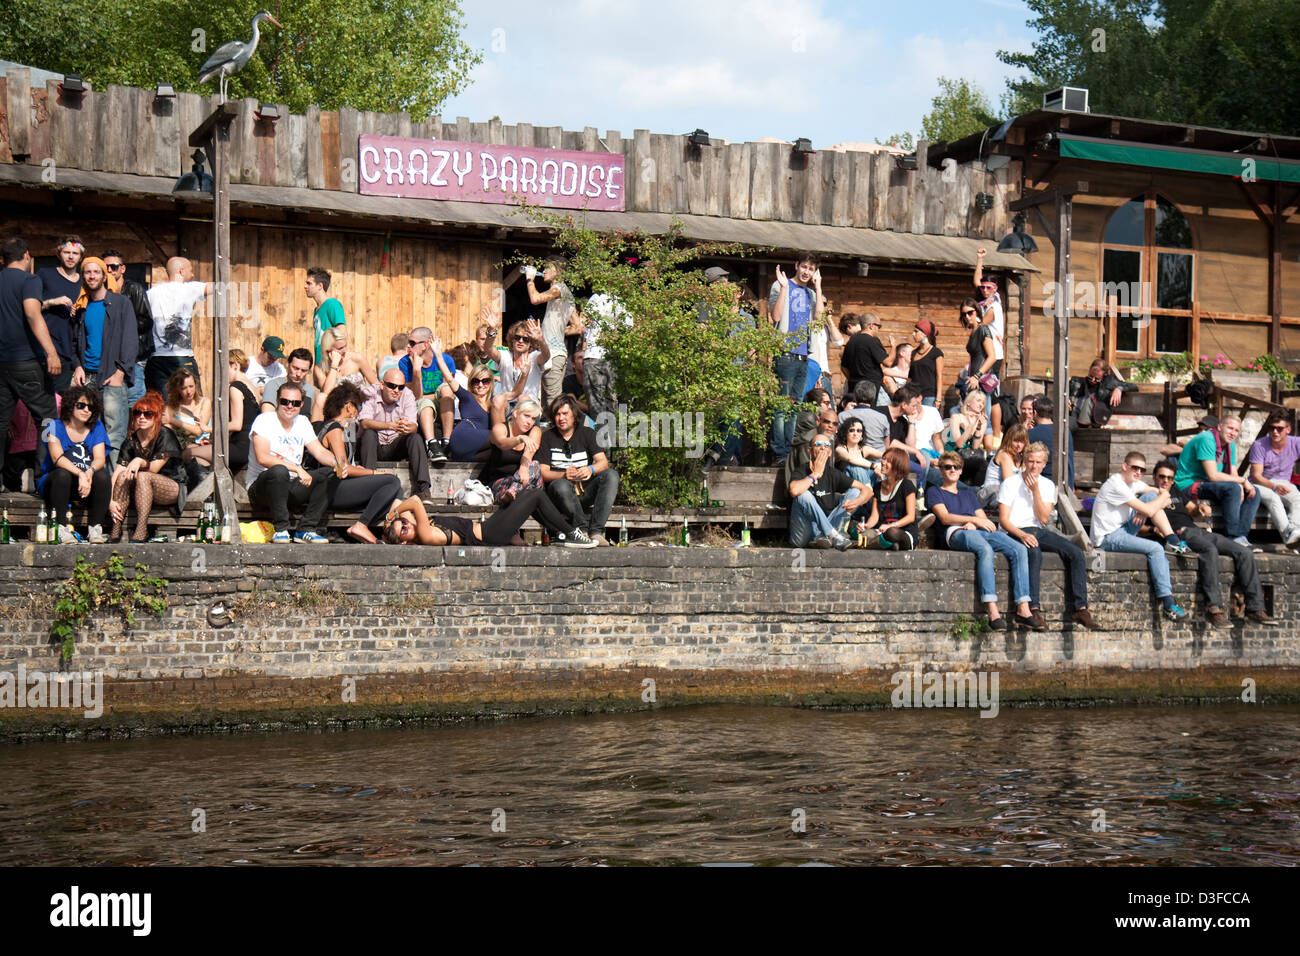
pixel 1148 260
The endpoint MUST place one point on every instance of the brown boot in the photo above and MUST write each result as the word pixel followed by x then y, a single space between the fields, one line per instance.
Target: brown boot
pixel 1217 617
pixel 1084 617
pixel 1261 617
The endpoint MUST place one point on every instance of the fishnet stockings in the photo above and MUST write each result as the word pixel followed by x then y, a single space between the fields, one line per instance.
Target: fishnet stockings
pixel 147 489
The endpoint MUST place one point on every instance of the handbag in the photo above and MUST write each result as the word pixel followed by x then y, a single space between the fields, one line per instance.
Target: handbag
pixel 475 494
pixel 505 490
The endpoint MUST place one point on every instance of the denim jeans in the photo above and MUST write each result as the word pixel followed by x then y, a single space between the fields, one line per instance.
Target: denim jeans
pixel 808 521
pixel 982 544
pixel 1283 510
pixel 791 372
pixel 115 400
pixel 1238 515
pixel 1208 547
pixel 597 494
pixel 136 391
pixel 1072 556
pixel 860 473
pixel 1126 541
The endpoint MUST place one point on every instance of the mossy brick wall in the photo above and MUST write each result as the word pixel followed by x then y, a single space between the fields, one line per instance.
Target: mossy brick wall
pixel 454 629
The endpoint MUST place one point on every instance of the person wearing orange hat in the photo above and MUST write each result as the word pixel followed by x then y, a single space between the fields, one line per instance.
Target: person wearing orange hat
pixel 926 371
pixel 106 341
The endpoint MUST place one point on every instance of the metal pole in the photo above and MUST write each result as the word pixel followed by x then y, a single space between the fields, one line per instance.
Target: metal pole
pixel 1061 361
pixel 222 484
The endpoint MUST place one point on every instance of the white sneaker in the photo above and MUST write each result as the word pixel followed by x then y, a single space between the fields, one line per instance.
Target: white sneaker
pixel 1292 535
pixel 95 535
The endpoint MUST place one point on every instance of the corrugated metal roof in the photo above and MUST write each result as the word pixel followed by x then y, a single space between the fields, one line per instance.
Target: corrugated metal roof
pixel 871 244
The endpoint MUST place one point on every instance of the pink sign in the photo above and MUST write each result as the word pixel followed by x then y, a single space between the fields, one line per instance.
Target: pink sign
pixel 479 172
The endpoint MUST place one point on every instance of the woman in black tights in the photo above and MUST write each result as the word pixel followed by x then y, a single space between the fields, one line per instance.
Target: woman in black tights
pixel 409 523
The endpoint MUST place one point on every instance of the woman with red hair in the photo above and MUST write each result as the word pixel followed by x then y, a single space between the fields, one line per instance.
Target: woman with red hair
pixel 149 469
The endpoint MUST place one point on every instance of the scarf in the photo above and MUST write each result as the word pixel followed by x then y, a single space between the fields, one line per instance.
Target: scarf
pixel 83 298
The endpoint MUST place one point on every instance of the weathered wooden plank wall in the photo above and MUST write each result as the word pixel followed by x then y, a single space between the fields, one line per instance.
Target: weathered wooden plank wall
pixel 129 130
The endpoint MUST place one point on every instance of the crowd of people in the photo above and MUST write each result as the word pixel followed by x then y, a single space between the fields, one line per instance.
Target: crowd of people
pixel 105 370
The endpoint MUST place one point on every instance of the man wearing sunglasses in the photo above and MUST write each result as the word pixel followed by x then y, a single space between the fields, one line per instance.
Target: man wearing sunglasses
pixel 1122 504
pixel 990 307
pixel 275 476
pixel 138 296
pixel 105 340
pixel 822 498
pixel 1181 514
pixel 387 429
pixel 1272 463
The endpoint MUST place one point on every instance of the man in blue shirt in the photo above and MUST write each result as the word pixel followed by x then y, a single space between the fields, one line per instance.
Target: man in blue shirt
pixel 106 340
pixel 796 304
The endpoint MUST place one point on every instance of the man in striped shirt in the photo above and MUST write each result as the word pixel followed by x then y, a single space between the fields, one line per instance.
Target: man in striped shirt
pixel 577 471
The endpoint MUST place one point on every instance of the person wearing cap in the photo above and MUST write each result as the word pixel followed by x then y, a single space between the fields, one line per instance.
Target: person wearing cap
pixel 865 356
pixel 795 303
pixel 1272 463
pixel 990 309
pixel 267 364
pixel 926 371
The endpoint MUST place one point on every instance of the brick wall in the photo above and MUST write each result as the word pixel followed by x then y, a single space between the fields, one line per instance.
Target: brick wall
pixel 455 631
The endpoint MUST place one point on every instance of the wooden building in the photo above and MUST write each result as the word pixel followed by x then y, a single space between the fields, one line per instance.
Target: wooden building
pixel 1200 223
pixel 895 240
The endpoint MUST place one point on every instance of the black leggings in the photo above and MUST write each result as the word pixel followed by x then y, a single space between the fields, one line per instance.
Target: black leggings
pixel 375 492
pixel 505 524
pixel 61 487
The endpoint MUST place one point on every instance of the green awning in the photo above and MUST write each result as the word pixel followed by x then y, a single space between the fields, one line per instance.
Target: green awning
pixel 1184 160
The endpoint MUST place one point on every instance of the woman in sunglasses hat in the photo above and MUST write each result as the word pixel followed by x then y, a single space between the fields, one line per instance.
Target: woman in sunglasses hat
pixel 149 469
pixel 76 467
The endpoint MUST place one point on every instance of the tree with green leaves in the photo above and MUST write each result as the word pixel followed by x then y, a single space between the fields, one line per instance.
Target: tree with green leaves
pixel 960 108
pixel 375 55
pixel 1226 63
pixel 689 352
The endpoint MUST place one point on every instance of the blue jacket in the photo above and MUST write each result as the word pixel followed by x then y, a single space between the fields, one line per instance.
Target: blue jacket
pixel 121 338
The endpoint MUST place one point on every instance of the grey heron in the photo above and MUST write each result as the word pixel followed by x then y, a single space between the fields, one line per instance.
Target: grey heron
pixel 233 56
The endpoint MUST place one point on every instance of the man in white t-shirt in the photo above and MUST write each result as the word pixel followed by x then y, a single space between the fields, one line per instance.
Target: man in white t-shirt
pixel 276 477
pixel 1121 506
pixel 1025 504
pixel 172 303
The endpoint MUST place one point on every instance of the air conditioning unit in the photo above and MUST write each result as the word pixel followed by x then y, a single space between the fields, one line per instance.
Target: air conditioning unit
pixel 1071 99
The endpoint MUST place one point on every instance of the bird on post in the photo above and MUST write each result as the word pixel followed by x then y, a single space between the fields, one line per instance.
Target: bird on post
pixel 232 57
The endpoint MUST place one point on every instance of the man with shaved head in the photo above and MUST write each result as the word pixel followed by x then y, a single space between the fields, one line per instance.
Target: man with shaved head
pixel 172 303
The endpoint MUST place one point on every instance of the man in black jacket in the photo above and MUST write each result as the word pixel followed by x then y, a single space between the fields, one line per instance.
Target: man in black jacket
pixel 1094 397
pixel 105 337
pixel 138 296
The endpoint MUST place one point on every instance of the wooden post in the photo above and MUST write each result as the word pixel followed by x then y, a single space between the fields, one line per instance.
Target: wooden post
pixel 1061 360
pixel 1275 273
pixel 215 132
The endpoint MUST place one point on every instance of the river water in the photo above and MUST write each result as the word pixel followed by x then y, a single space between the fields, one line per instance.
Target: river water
pixel 708 785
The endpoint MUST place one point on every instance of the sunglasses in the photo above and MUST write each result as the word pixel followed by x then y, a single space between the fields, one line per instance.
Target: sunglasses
pixel 142 414
pixel 111 267
pixel 821 444
pixel 393 386
pixel 291 403
pixel 1137 469
pixel 967 312
pixel 481 381
pixel 1164 477
pixel 520 338
pixel 82 406
pixel 1277 428
pixel 950 467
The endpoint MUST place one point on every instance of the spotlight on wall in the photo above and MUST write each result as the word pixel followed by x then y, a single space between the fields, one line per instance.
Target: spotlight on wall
pixel 267 112
pixel 863 268
pixel 1017 240
pixel 72 89
pixel 906 162
pixel 698 138
pixel 803 146
pixel 196 180
pixel 165 91
pixel 983 202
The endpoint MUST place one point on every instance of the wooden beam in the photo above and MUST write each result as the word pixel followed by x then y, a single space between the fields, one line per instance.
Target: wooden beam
pixel 149 241
pixel 1275 274
pixel 223 114
pixel 1048 229
pixel 1048 195
pixel 1263 212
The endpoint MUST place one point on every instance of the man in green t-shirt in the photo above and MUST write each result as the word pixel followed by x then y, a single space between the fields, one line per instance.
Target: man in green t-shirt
pixel 1207 469
pixel 329 311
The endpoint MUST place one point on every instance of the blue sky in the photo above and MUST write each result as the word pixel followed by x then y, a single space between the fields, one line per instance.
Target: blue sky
pixel 741 69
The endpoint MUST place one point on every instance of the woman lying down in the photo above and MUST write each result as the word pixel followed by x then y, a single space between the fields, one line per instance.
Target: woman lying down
pixel 409 523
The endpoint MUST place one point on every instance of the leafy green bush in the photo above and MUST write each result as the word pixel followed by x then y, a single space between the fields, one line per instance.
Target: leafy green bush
pixel 102 587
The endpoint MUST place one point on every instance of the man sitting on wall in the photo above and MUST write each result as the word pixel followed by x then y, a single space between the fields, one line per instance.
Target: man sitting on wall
pixel 1181 513
pixel 424 389
pixel 266 366
pixel 577 471
pixel 1025 506
pixel 275 476
pixel 1121 506
pixel 1207 469
pixel 823 499
pixel 387 429
pixel 1272 463
pixel 1095 396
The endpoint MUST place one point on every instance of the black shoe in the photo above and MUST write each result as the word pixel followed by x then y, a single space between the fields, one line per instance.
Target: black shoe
pixel 436 454
pixel 999 625
pixel 1260 617
pixel 1032 621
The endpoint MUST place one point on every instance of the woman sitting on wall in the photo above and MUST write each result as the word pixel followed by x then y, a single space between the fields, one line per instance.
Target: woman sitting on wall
pixel 339 364
pixel 471 434
pixel 188 414
pixel 964 527
pixel 77 463
pixel 358 487
pixel 967 434
pixel 149 469
pixel 851 454
pixel 891 521
pixel 1009 460
pixel 409 523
